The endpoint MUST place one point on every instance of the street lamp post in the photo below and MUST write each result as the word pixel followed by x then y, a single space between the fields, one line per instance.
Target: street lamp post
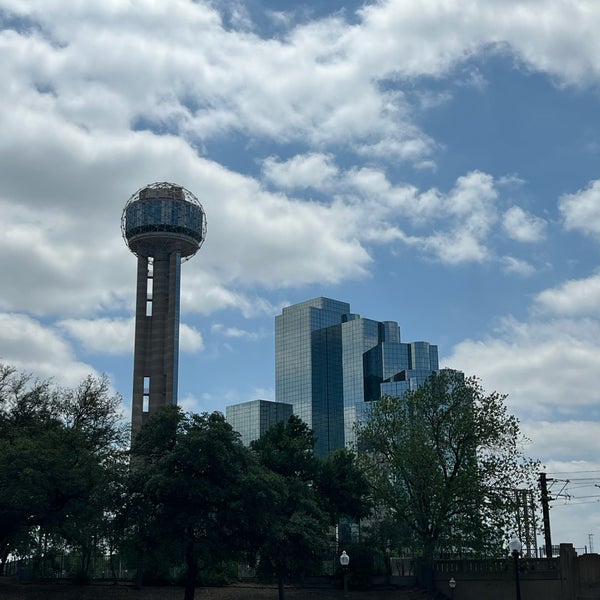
pixel 515 549
pixel 345 561
pixel 452 584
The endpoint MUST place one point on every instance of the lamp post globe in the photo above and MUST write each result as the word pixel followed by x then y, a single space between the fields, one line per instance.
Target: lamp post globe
pixel 515 548
pixel 515 545
pixel 345 561
pixel 452 584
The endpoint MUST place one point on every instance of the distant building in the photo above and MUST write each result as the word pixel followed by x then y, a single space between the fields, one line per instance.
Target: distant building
pixel 330 363
pixel 252 419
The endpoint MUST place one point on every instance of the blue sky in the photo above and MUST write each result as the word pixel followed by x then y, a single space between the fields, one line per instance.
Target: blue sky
pixel 433 163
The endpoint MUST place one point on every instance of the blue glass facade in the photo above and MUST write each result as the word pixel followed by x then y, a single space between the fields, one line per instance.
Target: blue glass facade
pixel 252 419
pixel 163 215
pixel 330 363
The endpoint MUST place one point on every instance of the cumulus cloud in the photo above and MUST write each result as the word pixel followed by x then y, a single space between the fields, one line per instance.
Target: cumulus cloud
pixel 34 348
pixel 319 81
pixel 104 335
pixel 516 265
pixel 469 213
pixel 190 339
pixel 565 47
pixel 313 170
pixel 522 226
pixel 546 367
pixel 572 298
pixel 581 210
pixel 235 332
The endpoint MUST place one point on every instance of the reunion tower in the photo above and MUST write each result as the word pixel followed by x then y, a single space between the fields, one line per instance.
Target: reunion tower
pixel 163 224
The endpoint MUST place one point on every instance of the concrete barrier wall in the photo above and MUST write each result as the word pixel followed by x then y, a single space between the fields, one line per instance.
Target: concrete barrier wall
pixel 490 587
pixel 569 577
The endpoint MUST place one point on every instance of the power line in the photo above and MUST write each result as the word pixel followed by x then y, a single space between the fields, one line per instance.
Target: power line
pixel 568 472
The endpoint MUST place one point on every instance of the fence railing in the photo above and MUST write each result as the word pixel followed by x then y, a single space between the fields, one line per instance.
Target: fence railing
pixel 498 565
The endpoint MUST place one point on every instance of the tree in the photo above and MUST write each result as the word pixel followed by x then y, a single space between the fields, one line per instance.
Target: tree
pixel 57 451
pixel 343 487
pixel 297 534
pixel 288 450
pixel 95 414
pixel 312 495
pixel 442 458
pixel 194 491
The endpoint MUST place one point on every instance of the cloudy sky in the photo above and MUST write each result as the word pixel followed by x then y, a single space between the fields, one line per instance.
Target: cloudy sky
pixel 434 163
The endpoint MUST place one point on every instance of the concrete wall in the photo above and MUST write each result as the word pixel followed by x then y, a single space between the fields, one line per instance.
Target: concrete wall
pixel 569 577
pixel 501 587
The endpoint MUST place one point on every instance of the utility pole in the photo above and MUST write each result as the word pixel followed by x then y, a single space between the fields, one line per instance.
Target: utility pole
pixel 545 500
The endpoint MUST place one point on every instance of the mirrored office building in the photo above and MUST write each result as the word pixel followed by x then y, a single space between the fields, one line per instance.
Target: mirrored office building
pixel 252 419
pixel 331 363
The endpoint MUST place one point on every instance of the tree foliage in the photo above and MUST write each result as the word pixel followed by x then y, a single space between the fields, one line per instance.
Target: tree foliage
pixel 195 493
pixel 343 487
pixel 59 451
pixel 311 496
pixel 297 534
pixel 444 460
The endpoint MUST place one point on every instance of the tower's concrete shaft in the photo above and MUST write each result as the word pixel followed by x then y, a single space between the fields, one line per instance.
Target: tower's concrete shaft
pixel 155 366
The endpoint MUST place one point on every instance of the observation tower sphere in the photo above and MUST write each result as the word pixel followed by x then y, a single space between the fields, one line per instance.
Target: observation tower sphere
pixel 163 224
pixel 163 216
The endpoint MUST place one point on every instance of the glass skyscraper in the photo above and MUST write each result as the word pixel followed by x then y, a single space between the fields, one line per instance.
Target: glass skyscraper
pixel 252 419
pixel 330 363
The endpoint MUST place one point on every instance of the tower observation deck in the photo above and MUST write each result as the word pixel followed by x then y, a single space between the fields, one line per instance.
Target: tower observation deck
pixel 163 224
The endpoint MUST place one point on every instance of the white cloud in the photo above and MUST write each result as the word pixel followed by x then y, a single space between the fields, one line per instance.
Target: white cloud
pixel 235 332
pixel 522 226
pixel 189 403
pixel 187 72
pixel 313 170
pixel 470 208
pixel 34 348
pixel 565 46
pixel 581 211
pixel 190 339
pixel 579 297
pixel 565 441
pixel 546 367
pixel 456 247
pixel 105 335
pixel 517 266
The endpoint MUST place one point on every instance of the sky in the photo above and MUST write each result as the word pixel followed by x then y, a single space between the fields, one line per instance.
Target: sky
pixel 435 163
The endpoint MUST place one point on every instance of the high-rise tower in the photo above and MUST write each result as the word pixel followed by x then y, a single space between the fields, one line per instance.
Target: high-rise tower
pixel 330 364
pixel 163 224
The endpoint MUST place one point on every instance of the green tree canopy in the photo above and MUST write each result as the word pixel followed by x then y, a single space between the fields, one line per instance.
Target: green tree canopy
pixel 58 448
pixel 444 460
pixel 288 449
pixel 312 495
pixel 297 535
pixel 195 492
pixel 343 487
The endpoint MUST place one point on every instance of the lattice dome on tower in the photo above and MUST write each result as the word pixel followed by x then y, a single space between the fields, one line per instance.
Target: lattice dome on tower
pixel 163 216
